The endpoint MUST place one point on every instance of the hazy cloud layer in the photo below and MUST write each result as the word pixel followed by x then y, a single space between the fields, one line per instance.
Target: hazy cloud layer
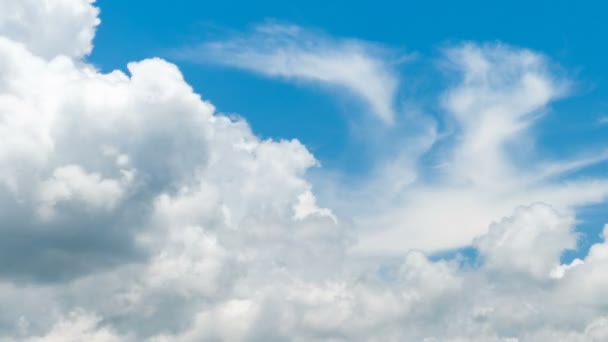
pixel 131 211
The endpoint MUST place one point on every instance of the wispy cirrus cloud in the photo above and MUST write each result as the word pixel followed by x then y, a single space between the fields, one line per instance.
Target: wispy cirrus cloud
pixel 602 120
pixel 489 164
pixel 293 53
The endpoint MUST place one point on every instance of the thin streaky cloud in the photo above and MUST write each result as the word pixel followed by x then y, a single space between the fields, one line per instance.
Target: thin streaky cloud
pixel 293 53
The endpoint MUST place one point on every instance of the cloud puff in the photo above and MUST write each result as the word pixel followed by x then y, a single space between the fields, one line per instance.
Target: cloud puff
pixel 51 28
pixel 293 53
pixel 530 242
pixel 132 211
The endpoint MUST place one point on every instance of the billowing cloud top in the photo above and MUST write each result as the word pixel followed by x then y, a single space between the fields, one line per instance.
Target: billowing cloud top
pixel 131 211
pixel 50 28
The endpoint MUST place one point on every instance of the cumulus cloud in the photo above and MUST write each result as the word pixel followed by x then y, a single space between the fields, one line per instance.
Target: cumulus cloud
pixel 529 243
pixel 51 28
pixel 132 211
pixel 293 53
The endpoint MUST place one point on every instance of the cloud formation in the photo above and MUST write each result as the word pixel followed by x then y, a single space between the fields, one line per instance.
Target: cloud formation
pixel 132 211
pixel 51 28
pixel 293 53
pixel 486 166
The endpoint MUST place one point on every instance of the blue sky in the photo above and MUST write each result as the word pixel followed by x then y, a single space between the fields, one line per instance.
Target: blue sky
pixel 567 33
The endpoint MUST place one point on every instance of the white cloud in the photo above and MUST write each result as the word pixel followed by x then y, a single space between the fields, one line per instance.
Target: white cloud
pixel 51 27
pixel 530 243
pixel 78 326
pixel 72 183
pixel 488 164
pixel 293 53
pixel 171 222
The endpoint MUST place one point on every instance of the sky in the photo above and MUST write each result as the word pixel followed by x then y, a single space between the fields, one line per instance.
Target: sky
pixel 329 122
pixel 303 171
pixel 560 29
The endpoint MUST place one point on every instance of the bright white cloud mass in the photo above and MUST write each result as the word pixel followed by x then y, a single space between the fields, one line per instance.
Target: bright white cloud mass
pixel 131 211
